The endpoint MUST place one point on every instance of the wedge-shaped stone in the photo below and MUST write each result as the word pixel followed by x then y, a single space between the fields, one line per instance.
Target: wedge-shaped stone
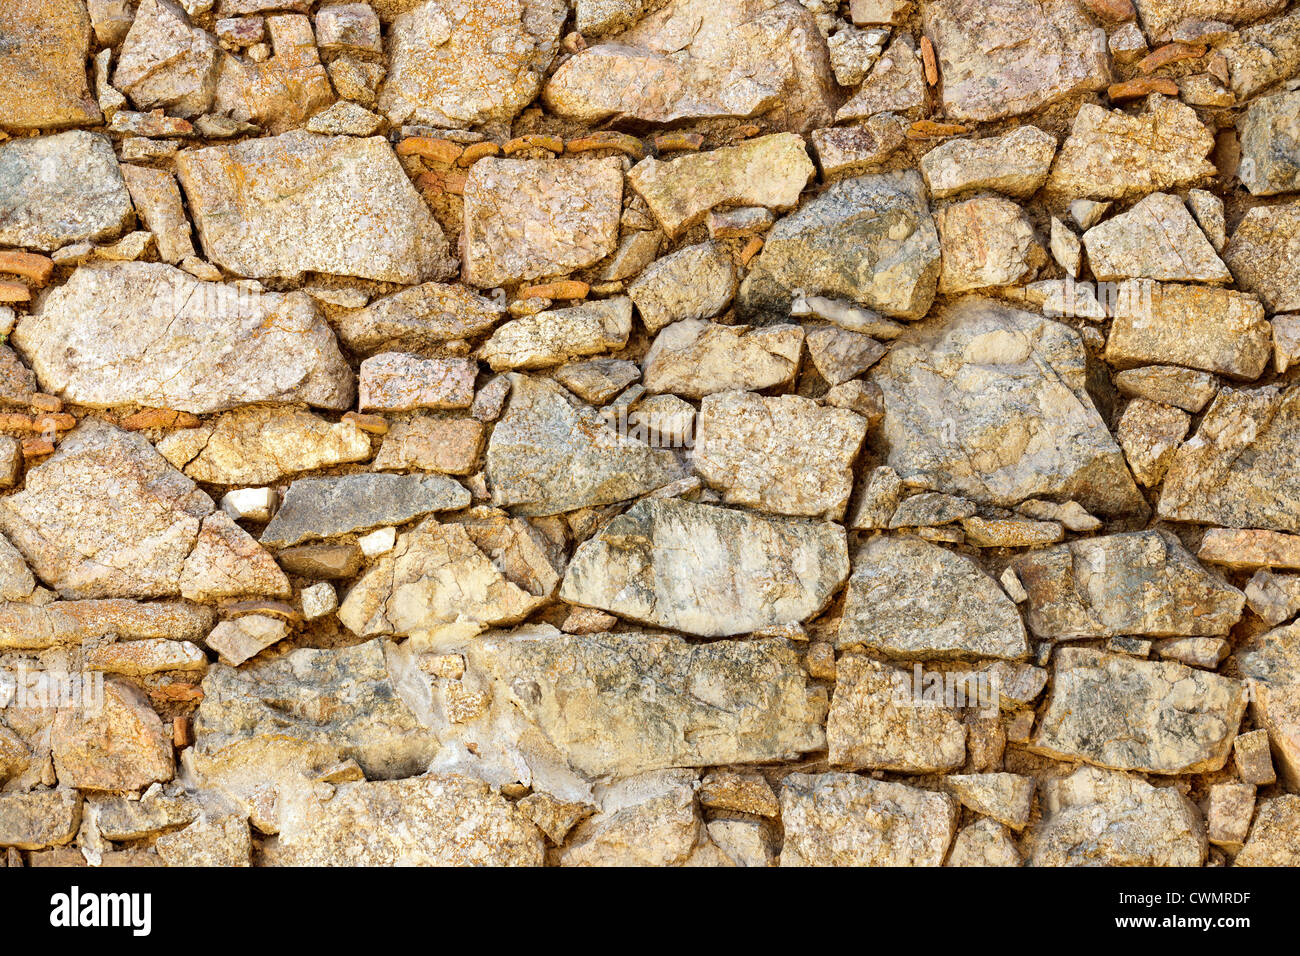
pixel 877 722
pixel 33 821
pixel 1116 711
pixel 257 446
pixel 1005 797
pixel 431 820
pixel 1241 468
pixel 298 202
pixel 146 333
pixel 650 819
pixel 911 599
pixel 464 64
pixel 700 59
pixel 1271 662
pixel 316 508
pixel 1156 239
pixel 1271 841
pixel 1143 582
pixel 416 318
pixel 531 218
pixel 896 84
pixel 106 516
pixel 1159 17
pixel 120 746
pixel 989 403
pixel 1270 145
pixel 55 190
pixel 1101 818
pixel 706 570
pixel 549 454
pixel 1263 54
pixel 697 282
pixel 166 62
pixel 1111 154
pixel 694 358
pixel 453 580
pixel 1168 385
pixel 146 657
pixel 1056 53
pixel 227 562
pixel 841 819
pixel 1014 163
pixel 1264 254
pixel 43 65
pixel 869 240
pixel 724 702
pixel 1216 330
pixel 768 171
pixel 785 453
pixel 553 337
pixel 984 843
pixel 39 626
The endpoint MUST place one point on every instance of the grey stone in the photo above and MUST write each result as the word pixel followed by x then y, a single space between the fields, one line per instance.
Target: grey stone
pixel 327 507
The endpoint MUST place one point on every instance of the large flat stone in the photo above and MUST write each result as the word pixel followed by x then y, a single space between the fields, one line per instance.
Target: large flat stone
pixel 298 202
pixel 43 50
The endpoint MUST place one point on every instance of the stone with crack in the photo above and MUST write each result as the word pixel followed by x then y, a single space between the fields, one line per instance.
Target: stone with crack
pixel 315 508
pixel 1156 239
pixel 1264 255
pixel 707 570
pixel 696 282
pixel 121 747
pixel 1150 434
pixel 43 65
pixel 895 84
pixel 167 62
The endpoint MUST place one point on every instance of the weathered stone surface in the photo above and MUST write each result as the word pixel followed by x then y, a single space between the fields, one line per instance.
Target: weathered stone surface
pixel 697 282
pixel 1150 434
pixel 1014 163
pixel 984 78
pixel 431 820
pixel 16 581
pixel 1102 818
pixel 59 189
pixel 1269 662
pixel 243 638
pixel 43 65
pixel 465 64
pixel 157 198
pixel 223 841
pixel 1238 468
pixel 1160 17
pixel 327 507
pixel 416 318
pixel 647 820
pixel 986 241
pixel 840 819
pixel 1249 550
pixel 840 355
pixel 1005 797
pixel 33 821
pixel 1264 255
pixel 106 517
pixel 400 382
pixel 970 437
pixel 911 599
pixel 768 171
pixel 259 445
pixel 280 93
pixel 122 747
pixel 1263 54
pixel 531 218
pixel 743 791
pixel 455 579
pixel 1156 239
pixel 698 59
pixel 1115 711
pixel 983 843
pixel 553 337
pixel 694 358
pixel 147 333
pixel 724 702
pixel 895 84
pixel 227 562
pixel 35 627
pixel 145 657
pixel 17 382
pixel 298 202
pixel 1272 836
pixel 1142 582
pixel 706 570
pixel 1270 145
pixel 869 240
pixel 785 454
pixel 1168 385
pixel 1110 154
pixel 876 723
pixel 853 150
pixel 449 446
pixel 167 62
pixel 1216 330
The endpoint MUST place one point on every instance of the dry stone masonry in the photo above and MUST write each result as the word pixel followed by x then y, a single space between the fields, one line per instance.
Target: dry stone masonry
pixel 650 432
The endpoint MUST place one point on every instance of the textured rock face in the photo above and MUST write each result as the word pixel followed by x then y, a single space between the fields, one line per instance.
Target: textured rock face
pixel 1015 164
pixel 60 189
pixel 716 703
pixel 327 507
pixel 1270 145
pixel 43 65
pixel 284 205
pixel 1140 583
pixel 1185 725
pixel 694 568
pixel 1041 437
pixel 525 219
pixel 463 64
pixel 1262 254
pixel 869 240
pixel 695 60
pixel 147 333
pixel 908 598
pixel 694 358
pixel 1057 54
pixel 1156 239
pixel 166 62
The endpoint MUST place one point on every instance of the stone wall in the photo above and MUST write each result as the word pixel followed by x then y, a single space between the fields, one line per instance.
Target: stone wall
pixel 713 432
